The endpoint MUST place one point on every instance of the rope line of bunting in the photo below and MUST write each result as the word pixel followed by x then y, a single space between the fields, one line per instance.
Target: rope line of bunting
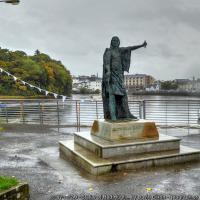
pixel 32 86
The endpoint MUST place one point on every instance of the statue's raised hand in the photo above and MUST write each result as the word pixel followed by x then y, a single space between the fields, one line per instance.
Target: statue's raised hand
pixel 144 44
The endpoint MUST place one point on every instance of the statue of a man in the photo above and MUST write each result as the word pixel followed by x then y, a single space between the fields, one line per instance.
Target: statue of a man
pixel 116 60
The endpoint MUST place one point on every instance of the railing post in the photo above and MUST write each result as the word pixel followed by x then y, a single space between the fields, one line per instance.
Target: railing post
pixel 188 107
pixel 22 112
pixel 58 114
pixel 41 117
pixel 97 114
pixel 140 109
pixel 6 114
pixel 77 116
pixel 166 108
pixel 144 109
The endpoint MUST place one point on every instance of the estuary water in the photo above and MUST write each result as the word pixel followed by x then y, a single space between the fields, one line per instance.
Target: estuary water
pixel 137 97
pixel 165 110
pixel 83 109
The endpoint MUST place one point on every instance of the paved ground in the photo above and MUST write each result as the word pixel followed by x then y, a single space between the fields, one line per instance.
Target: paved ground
pixel 31 154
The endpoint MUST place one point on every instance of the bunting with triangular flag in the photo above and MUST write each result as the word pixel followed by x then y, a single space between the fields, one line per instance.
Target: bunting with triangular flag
pixel 32 86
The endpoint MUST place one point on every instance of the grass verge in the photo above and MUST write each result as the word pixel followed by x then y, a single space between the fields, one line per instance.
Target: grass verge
pixel 7 182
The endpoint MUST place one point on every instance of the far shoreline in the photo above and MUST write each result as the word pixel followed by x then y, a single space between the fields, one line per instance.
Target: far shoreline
pixel 138 93
pixel 166 93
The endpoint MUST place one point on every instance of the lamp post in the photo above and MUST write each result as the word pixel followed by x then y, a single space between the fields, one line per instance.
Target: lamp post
pixel 14 2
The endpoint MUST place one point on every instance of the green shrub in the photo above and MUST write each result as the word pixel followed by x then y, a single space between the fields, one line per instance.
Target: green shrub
pixel 7 182
pixel 39 70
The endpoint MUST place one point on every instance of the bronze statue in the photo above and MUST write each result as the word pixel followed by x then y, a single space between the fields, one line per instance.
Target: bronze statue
pixel 116 60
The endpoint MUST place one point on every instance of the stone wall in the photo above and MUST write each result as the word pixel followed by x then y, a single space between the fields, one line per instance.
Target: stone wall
pixel 20 192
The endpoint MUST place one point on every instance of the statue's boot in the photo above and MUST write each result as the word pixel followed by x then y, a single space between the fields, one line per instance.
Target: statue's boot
pixel 132 116
pixel 113 118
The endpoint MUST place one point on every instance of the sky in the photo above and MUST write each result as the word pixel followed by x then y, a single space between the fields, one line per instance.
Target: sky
pixel 76 32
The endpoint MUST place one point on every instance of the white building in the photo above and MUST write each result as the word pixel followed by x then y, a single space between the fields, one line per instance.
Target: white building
pixel 75 80
pixel 94 85
pixel 196 85
pixel 184 84
pixel 156 86
pixel 188 85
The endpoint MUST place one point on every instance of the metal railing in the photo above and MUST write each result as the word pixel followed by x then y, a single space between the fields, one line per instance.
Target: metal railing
pixel 173 112
pixel 82 113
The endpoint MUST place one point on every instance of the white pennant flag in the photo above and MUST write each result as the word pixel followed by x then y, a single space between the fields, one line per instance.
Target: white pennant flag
pixel 7 73
pixel 31 86
pixel 39 89
pixel 15 78
pixel 63 98
pixel 55 95
pixel 46 92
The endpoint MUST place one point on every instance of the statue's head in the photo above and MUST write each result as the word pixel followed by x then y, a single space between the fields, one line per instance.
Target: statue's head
pixel 115 42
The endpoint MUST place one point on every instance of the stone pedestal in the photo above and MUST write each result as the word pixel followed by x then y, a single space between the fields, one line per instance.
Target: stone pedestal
pixel 124 130
pixel 113 146
pixel 108 149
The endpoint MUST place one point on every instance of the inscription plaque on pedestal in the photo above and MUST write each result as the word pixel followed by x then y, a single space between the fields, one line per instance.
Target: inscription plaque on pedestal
pixel 124 130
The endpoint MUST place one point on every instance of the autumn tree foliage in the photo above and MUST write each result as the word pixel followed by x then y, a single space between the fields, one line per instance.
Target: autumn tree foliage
pixel 39 70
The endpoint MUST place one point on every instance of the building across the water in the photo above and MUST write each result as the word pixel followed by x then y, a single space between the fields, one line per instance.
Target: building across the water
pixel 92 83
pixel 188 85
pixel 138 81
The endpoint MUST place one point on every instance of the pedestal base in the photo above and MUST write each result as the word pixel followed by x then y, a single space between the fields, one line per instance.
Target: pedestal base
pixel 97 166
pixel 124 130
pixel 107 149
pixel 113 146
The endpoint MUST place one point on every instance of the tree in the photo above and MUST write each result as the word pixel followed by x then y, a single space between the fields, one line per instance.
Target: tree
pixel 97 91
pixel 168 85
pixel 84 90
pixel 39 70
pixel 37 52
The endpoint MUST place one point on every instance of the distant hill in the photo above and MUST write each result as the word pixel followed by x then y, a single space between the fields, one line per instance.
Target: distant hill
pixel 39 70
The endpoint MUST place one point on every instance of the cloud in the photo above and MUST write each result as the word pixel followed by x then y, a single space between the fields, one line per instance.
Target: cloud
pixel 77 33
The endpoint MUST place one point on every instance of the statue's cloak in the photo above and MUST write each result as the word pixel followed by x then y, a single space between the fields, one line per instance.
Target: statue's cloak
pixel 125 58
pixel 116 85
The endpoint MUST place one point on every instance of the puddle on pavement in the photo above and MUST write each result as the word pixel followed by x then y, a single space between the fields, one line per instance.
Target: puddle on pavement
pixel 19 161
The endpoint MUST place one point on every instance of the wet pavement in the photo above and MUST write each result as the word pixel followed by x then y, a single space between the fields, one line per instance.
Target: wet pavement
pixel 31 154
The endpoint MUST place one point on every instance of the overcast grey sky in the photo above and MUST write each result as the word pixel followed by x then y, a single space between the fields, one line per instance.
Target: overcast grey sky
pixel 78 31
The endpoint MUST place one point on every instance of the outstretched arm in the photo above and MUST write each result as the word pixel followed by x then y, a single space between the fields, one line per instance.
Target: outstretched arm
pixel 132 48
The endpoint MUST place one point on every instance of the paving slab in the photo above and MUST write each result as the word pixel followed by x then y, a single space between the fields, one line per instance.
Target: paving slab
pixel 31 154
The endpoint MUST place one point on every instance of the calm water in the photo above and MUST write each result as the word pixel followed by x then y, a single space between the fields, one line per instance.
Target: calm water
pixel 162 109
pixel 176 111
pixel 139 97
